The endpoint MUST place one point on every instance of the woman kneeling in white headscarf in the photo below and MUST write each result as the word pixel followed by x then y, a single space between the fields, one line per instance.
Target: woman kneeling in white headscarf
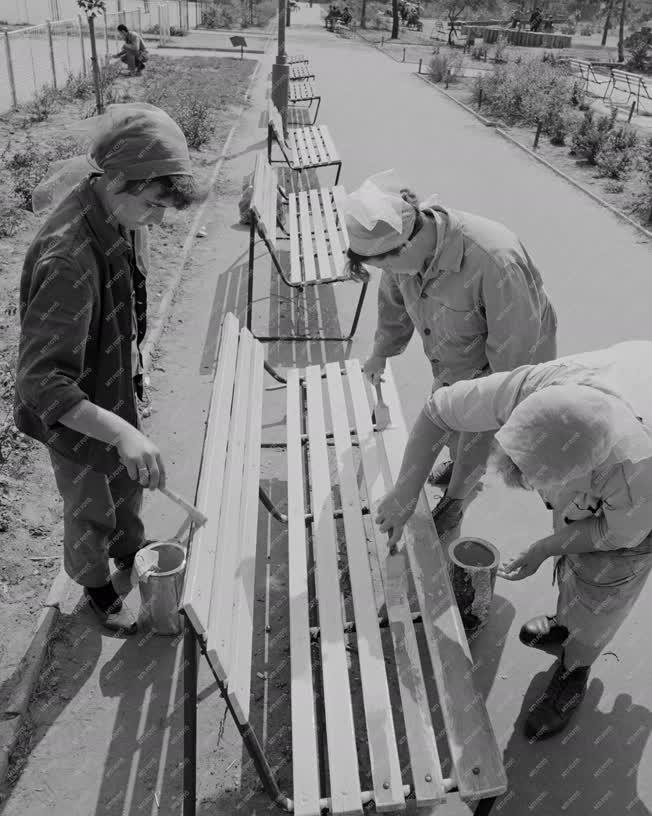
pixel 579 431
pixel 470 289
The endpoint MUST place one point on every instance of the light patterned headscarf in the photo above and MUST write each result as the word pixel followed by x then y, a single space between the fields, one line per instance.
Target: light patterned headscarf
pixel 378 219
pixel 565 432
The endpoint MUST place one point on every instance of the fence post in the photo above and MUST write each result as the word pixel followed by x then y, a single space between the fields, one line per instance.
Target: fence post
pixel 538 134
pixel 448 76
pixel 160 26
pixel 106 40
pixel 180 14
pixel 404 55
pixel 631 112
pixel 52 62
pixel 480 92
pixel 81 41
pixel 420 63
pixel 10 71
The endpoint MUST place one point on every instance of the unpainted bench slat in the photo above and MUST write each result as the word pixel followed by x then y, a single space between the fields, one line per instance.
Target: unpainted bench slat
pixel 220 629
pixel 239 686
pixel 342 754
pixel 259 185
pixel 309 272
pixel 476 757
pixel 271 197
pixel 330 152
pixel 276 124
pixel 308 136
pixel 324 266
pixel 337 234
pixel 200 571
pixel 295 252
pixel 305 761
pixel 381 736
pixel 422 746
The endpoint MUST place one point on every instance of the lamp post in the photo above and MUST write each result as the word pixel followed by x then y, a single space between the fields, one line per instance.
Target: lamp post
pixel 281 69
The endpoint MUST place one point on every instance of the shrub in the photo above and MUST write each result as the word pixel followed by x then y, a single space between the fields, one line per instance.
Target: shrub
pixel 155 29
pixel 264 11
pixel 177 32
pixel 28 166
pixel 586 31
pixel 613 186
pixel 618 152
pixel 591 134
pixel 638 45
pixel 221 15
pixel 76 87
pixel 647 167
pixel 568 28
pixel 43 104
pixel 500 54
pixel 442 65
pixel 527 92
pixel 479 53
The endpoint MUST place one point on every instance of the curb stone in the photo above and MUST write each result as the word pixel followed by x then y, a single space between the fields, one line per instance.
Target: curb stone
pixel 507 136
pixel 13 715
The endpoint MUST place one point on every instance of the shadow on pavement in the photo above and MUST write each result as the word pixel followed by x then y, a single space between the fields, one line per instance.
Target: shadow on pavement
pixel 593 765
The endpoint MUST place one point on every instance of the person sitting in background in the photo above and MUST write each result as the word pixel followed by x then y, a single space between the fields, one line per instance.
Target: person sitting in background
pixel 346 16
pixel 578 430
pixel 536 18
pixel 133 52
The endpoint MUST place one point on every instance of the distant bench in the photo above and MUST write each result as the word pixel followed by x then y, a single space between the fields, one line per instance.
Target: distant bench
pixel 633 84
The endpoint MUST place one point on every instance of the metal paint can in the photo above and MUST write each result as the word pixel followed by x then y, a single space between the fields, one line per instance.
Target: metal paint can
pixel 160 569
pixel 472 569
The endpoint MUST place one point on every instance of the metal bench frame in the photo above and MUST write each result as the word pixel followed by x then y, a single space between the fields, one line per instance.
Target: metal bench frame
pixel 264 219
pixel 634 85
pixel 219 585
pixel 303 91
pixel 315 139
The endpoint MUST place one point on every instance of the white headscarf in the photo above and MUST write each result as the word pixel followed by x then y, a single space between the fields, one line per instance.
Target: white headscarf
pixel 378 219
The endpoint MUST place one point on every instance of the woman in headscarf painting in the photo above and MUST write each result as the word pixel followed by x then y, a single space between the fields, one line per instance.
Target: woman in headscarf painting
pixel 469 288
pixel 579 431
pixel 83 316
pixel 133 53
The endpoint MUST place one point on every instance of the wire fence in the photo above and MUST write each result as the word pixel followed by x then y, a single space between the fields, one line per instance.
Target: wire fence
pixel 38 12
pixel 36 57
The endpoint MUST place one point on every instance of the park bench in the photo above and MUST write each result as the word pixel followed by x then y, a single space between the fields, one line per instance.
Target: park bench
pixel 633 84
pixel 297 59
pixel 302 90
pixel 316 233
pixel 301 70
pixel 305 148
pixel 584 70
pixel 331 448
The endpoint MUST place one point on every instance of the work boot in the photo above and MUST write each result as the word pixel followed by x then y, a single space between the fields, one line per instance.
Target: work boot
pixel 553 710
pixel 543 632
pixel 110 610
pixel 441 474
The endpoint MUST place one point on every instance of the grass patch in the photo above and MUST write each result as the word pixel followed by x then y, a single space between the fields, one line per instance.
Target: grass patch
pixel 195 90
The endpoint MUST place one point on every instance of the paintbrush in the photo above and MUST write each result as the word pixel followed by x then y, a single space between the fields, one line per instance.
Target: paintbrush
pixel 196 516
pixel 381 411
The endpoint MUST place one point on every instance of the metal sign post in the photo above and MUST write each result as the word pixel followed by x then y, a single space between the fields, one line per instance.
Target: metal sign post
pixel 239 42
pixel 281 69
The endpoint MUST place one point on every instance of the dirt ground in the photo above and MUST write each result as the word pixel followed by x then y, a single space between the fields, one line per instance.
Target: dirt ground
pixel 30 507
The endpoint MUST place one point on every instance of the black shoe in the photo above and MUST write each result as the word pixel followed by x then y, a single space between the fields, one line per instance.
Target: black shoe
pixel 553 710
pixel 555 636
pixel 441 474
pixel 108 607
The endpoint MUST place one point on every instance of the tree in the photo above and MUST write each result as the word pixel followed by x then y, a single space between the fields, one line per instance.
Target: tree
pixel 607 22
pixel 363 14
pixel 395 20
pixel 92 9
pixel 621 32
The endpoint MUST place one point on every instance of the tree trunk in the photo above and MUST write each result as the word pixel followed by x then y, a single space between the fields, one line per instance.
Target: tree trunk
pixel 621 32
pixel 363 15
pixel 395 20
pixel 607 22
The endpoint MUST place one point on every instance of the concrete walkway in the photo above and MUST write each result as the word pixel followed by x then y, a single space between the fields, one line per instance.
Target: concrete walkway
pixel 110 742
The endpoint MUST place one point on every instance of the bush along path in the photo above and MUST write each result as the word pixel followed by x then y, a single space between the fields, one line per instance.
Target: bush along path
pixel 545 108
pixel 202 94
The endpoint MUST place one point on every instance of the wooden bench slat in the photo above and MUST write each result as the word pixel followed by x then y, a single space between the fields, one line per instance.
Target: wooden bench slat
pixel 422 746
pixel 330 152
pixel 305 761
pixel 220 629
pixel 319 236
pixel 309 272
pixel 200 571
pixel 258 194
pixel 293 227
pixel 470 734
pixel 337 234
pixel 307 135
pixel 342 754
pixel 239 687
pixel 381 736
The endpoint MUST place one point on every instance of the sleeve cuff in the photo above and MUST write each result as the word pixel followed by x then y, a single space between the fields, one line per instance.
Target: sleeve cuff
pixel 60 406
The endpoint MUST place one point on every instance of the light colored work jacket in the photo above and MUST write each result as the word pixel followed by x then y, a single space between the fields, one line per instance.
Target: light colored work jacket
pixel 479 305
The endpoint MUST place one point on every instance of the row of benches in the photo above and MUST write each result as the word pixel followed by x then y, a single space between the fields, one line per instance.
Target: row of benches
pixel 634 85
pixel 337 466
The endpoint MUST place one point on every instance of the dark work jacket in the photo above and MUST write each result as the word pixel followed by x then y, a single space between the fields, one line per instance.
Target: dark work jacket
pixel 76 326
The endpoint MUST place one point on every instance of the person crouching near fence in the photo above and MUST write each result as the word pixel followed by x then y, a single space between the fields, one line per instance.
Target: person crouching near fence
pixel 133 53
pixel 83 303
pixel 578 430
pixel 470 289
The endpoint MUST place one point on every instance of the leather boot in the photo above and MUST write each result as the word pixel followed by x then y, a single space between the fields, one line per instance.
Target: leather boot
pixel 553 710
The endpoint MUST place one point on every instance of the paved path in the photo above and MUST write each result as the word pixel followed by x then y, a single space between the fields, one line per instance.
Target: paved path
pixel 111 738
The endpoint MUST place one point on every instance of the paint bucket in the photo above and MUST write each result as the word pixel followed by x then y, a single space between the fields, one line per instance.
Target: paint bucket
pixel 472 569
pixel 160 569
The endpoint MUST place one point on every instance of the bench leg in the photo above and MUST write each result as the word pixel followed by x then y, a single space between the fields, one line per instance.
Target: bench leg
pixel 317 109
pixel 484 806
pixel 358 310
pixel 250 281
pixel 339 170
pixel 189 720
